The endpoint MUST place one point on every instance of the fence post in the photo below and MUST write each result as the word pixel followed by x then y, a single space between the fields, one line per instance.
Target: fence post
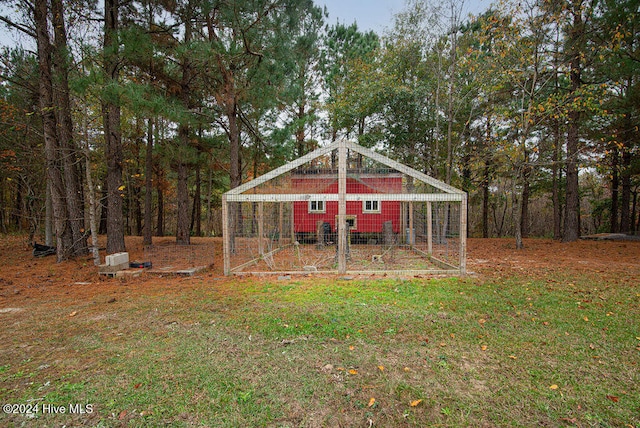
pixel 226 250
pixel 463 235
pixel 429 228
pixel 342 207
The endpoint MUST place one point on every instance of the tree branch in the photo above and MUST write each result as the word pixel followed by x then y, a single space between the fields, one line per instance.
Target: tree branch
pixel 26 30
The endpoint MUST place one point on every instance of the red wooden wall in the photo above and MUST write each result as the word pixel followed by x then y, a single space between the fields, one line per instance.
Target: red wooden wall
pixel 304 221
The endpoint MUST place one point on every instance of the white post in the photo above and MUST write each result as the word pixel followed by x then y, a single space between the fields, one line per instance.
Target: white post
pixel 226 239
pixel 260 228
pixel 342 207
pixel 429 229
pixel 280 223
pixel 463 235
pixel 410 236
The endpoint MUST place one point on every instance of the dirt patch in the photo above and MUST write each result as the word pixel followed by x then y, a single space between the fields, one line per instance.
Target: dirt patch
pixel 23 277
pixel 540 256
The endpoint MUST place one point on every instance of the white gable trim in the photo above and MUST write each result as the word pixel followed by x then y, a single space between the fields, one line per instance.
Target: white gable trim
pixel 283 169
pixel 440 185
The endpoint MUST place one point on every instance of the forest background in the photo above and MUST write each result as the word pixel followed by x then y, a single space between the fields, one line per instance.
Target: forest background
pixel 134 117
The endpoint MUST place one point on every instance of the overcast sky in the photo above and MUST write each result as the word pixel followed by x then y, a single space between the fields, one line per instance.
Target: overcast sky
pixel 377 15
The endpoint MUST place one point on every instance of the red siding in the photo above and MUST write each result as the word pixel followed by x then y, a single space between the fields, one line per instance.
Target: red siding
pixel 365 222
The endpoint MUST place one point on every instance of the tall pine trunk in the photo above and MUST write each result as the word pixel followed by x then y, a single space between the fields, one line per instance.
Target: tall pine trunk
pixel 196 212
pixel 160 219
pixel 575 42
pixel 524 212
pixel 615 184
pixel 625 197
pixel 148 186
pixel 235 172
pixel 69 152
pixel 64 239
pixel 300 143
pixel 182 229
pixel 184 134
pixel 112 134
pixel 556 172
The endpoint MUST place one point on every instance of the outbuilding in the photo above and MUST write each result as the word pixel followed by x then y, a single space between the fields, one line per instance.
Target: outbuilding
pixel 342 209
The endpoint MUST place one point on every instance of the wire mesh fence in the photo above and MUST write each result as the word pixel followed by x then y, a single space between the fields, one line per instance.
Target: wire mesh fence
pixel 348 210
pixel 169 256
pixel 270 237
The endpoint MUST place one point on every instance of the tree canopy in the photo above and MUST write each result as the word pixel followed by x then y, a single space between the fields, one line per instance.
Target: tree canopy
pixel 152 109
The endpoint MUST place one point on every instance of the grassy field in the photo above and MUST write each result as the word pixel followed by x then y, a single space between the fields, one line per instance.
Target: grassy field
pixel 554 351
pixel 548 336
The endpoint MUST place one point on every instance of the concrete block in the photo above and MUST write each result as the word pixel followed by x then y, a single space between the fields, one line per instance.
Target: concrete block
pixel 117 259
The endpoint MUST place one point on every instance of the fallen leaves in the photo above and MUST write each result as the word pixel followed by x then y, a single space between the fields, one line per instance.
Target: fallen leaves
pixel 415 403
pixel 73 314
pixel 372 401
pixel 613 398
pixel 554 387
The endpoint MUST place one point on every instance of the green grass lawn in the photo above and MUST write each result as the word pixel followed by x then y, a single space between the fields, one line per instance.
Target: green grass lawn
pixel 551 351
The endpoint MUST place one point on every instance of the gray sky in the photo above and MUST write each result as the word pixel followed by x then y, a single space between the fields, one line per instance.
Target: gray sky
pixel 377 15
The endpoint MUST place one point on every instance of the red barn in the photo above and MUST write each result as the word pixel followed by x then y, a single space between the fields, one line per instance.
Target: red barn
pixel 365 216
